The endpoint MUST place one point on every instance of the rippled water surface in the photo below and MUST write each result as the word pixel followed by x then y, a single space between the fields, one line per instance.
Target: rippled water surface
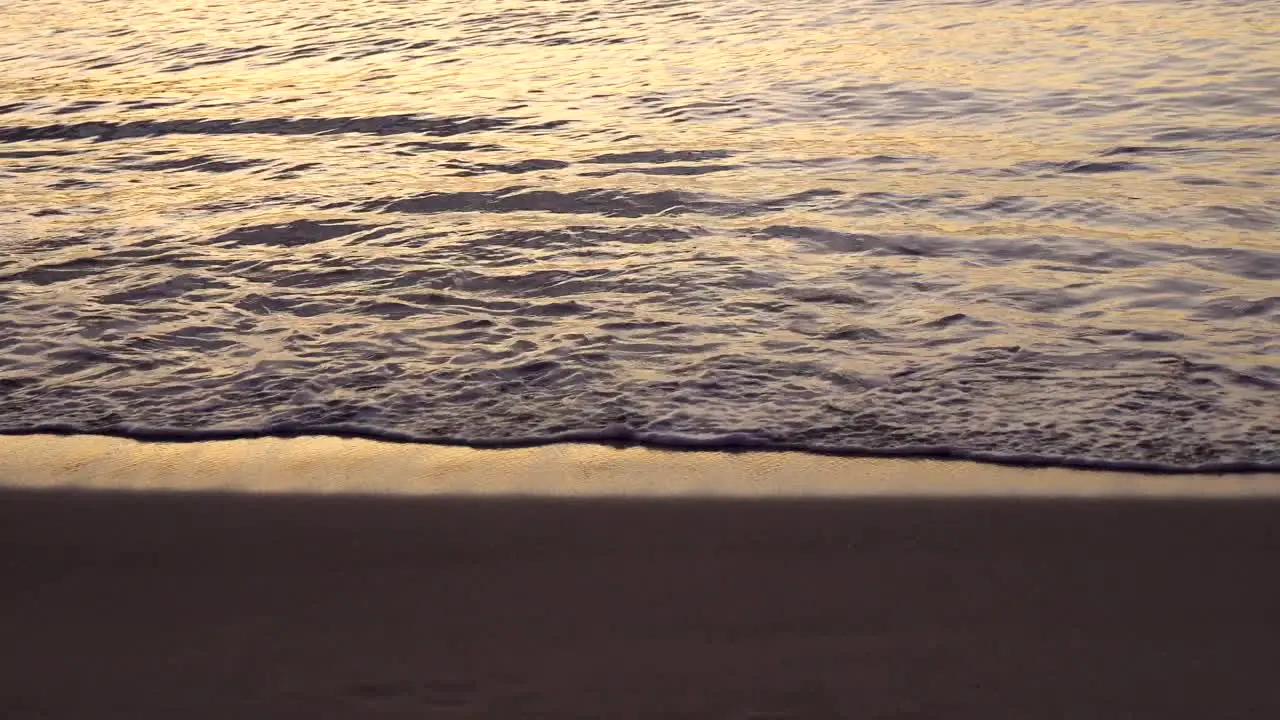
pixel 998 228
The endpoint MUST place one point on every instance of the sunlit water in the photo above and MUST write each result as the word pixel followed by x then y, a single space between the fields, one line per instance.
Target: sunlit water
pixel 997 228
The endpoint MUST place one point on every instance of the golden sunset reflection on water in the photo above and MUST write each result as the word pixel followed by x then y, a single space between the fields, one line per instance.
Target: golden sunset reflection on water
pixel 861 225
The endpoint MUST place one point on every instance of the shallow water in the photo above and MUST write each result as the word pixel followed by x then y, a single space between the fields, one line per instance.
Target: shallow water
pixel 988 228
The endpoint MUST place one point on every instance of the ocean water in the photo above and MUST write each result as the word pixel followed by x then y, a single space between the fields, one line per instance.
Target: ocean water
pixel 1039 230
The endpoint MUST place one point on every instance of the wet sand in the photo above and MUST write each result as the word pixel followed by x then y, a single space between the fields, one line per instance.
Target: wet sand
pixel 197 604
pixel 327 465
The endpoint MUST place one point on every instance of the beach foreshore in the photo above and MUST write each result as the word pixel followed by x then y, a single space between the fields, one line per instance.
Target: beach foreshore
pixel 325 465
pixel 261 591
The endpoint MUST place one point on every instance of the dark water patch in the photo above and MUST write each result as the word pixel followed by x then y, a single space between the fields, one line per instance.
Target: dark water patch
pixel 864 334
pixel 449 147
pixel 1251 264
pixel 1246 218
pixel 79 106
pixel 300 306
pixel 826 295
pixel 1198 180
pixel 57 272
pixel 639 325
pixel 166 289
pixel 1007 205
pixel 556 309
pixel 354 277
pixel 391 310
pixel 151 104
pixel 1090 168
pixel 517 168
pixel 607 202
pixel 292 234
pixel 1238 307
pixel 1151 150
pixel 382 125
pixel 1044 168
pixel 24 154
pixel 947 321
pixel 74 184
pixel 885 160
pixel 197 163
pixel 221 57
pixel 656 157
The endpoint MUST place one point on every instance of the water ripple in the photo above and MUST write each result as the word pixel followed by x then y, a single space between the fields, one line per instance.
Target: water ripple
pixel 843 227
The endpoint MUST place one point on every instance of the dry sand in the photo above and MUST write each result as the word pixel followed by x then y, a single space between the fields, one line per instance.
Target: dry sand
pixel 720 586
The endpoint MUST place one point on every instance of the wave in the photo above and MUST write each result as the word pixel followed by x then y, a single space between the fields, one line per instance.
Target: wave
pixel 656 222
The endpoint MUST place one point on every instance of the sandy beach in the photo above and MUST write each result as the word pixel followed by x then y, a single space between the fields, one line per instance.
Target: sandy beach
pixel 198 598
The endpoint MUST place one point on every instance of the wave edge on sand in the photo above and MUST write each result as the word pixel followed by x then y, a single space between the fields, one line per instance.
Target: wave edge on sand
pixel 622 437
pixel 359 465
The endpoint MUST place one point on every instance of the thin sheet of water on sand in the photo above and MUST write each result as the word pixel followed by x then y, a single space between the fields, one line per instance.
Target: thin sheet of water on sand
pixel 344 465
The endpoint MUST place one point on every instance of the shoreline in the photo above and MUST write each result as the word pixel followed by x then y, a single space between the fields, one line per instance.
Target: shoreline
pixel 321 464
pixel 625 440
